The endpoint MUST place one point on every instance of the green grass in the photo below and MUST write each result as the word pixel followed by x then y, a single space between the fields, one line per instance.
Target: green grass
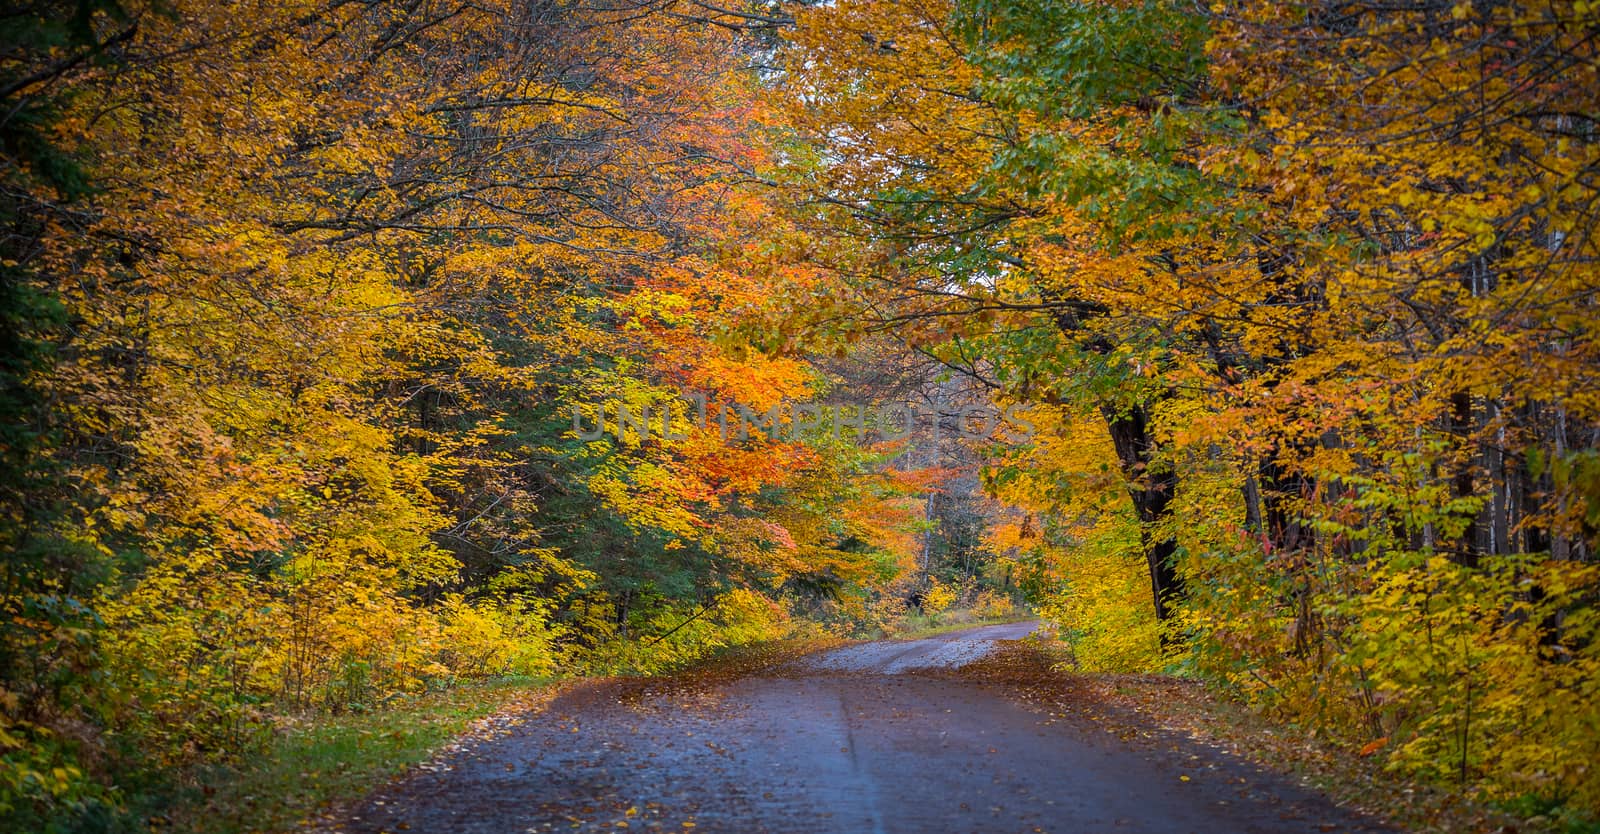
pixel 1550 813
pixel 324 760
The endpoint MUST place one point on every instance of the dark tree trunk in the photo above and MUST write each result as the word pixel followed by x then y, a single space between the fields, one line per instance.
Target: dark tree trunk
pixel 1286 533
pixel 1152 492
pixel 1462 427
pixel 1252 503
pixel 1288 539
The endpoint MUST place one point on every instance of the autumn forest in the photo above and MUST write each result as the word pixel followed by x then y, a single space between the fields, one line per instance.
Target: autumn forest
pixel 351 351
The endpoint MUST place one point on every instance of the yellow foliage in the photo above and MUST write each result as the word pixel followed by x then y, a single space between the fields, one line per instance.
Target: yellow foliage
pixel 938 598
pixel 992 606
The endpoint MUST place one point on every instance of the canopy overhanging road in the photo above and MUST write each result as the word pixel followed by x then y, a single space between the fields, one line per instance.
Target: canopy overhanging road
pixel 877 737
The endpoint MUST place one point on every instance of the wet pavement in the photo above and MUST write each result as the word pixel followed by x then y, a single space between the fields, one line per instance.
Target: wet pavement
pixel 876 737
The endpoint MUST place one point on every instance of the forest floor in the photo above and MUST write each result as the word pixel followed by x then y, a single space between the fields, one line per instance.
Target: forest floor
pixel 969 731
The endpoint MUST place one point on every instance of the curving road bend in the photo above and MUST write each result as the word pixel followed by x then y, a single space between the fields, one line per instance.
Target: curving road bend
pixel 875 737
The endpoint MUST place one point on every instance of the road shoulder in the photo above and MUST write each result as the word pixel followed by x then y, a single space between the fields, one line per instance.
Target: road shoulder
pixel 1163 712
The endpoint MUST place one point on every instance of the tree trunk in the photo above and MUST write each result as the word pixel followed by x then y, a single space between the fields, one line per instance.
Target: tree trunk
pixel 1288 540
pixel 1462 428
pixel 1152 492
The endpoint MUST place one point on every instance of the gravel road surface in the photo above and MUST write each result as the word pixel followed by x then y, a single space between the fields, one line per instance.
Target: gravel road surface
pixel 877 737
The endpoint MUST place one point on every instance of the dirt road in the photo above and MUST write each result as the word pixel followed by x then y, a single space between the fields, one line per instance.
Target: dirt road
pixel 878 737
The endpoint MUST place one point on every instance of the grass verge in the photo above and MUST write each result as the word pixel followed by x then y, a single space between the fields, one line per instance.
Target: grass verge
pixel 318 762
